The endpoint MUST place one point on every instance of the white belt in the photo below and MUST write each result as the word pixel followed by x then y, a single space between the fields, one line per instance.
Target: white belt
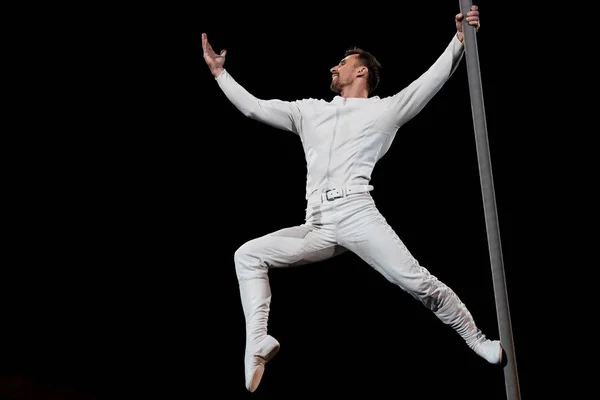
pixel 338 192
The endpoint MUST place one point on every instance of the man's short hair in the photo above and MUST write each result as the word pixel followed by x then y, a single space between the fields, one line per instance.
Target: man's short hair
pixel 368 60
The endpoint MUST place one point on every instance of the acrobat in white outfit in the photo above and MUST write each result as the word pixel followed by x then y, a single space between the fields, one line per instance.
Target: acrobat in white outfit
pixel 342 139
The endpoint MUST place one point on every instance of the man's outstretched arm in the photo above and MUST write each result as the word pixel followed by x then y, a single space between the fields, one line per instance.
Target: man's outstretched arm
pixel 277 113
pixel 413 98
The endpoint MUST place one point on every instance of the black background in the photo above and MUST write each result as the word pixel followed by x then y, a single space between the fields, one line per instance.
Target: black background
pixel 140 180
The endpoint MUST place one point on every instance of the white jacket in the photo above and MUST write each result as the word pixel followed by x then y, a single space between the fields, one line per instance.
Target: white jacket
pixel 344 138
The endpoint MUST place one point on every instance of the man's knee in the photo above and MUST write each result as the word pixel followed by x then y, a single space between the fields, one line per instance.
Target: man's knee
pixel 426 287
pixel 247 260
pixel 245 255
pixel 412 278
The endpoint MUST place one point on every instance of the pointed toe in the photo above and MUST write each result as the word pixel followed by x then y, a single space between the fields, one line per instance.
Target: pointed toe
pixel 256 358
pixel 490 350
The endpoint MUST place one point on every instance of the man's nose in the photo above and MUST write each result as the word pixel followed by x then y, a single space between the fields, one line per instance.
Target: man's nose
pixel 332 70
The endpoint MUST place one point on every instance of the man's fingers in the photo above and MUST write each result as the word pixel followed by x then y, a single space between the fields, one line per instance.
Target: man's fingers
pixel 473 19
pixel 472 13
pixel 205 45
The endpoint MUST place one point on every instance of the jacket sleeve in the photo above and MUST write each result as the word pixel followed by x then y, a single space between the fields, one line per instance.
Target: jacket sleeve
pixel 413 98
pixel 284 115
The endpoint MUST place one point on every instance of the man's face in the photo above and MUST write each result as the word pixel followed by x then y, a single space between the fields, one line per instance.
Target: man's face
pixel 343 74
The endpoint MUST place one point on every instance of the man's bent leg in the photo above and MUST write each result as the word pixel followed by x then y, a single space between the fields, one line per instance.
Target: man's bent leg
pixel 287 247
pixel 378 245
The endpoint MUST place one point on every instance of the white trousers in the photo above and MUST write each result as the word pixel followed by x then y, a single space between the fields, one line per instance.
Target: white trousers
pixel 352 223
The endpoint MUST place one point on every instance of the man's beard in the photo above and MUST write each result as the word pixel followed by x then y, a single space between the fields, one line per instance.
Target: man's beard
pixel 335 86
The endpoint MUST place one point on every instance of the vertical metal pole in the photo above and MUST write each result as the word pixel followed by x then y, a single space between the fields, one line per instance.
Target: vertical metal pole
pixel 489 203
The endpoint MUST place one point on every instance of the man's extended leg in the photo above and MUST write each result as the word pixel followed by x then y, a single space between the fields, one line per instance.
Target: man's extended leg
pixel 372 239
pixel 287 247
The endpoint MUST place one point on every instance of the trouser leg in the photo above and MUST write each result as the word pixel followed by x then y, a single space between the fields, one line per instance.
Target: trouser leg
pixel 287 247
pixel 372 239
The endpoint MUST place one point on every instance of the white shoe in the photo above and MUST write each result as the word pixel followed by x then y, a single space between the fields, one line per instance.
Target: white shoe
pixel 256 359
pixel 491 350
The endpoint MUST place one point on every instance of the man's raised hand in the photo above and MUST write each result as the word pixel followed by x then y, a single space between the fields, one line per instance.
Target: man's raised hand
pixel 472 18
pixel 214 61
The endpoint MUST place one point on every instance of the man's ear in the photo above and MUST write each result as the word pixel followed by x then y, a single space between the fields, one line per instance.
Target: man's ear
pixel 361 71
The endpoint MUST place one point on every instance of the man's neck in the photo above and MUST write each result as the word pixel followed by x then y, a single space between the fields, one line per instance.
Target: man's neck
pixel 350 92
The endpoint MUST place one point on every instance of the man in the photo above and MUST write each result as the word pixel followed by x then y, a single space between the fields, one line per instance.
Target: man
pixel 342 140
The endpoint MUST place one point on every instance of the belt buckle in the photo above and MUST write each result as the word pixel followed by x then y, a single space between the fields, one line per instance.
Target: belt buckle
pixel 336 194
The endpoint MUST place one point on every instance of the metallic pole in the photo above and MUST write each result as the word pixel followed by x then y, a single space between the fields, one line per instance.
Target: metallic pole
pixel 489 203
